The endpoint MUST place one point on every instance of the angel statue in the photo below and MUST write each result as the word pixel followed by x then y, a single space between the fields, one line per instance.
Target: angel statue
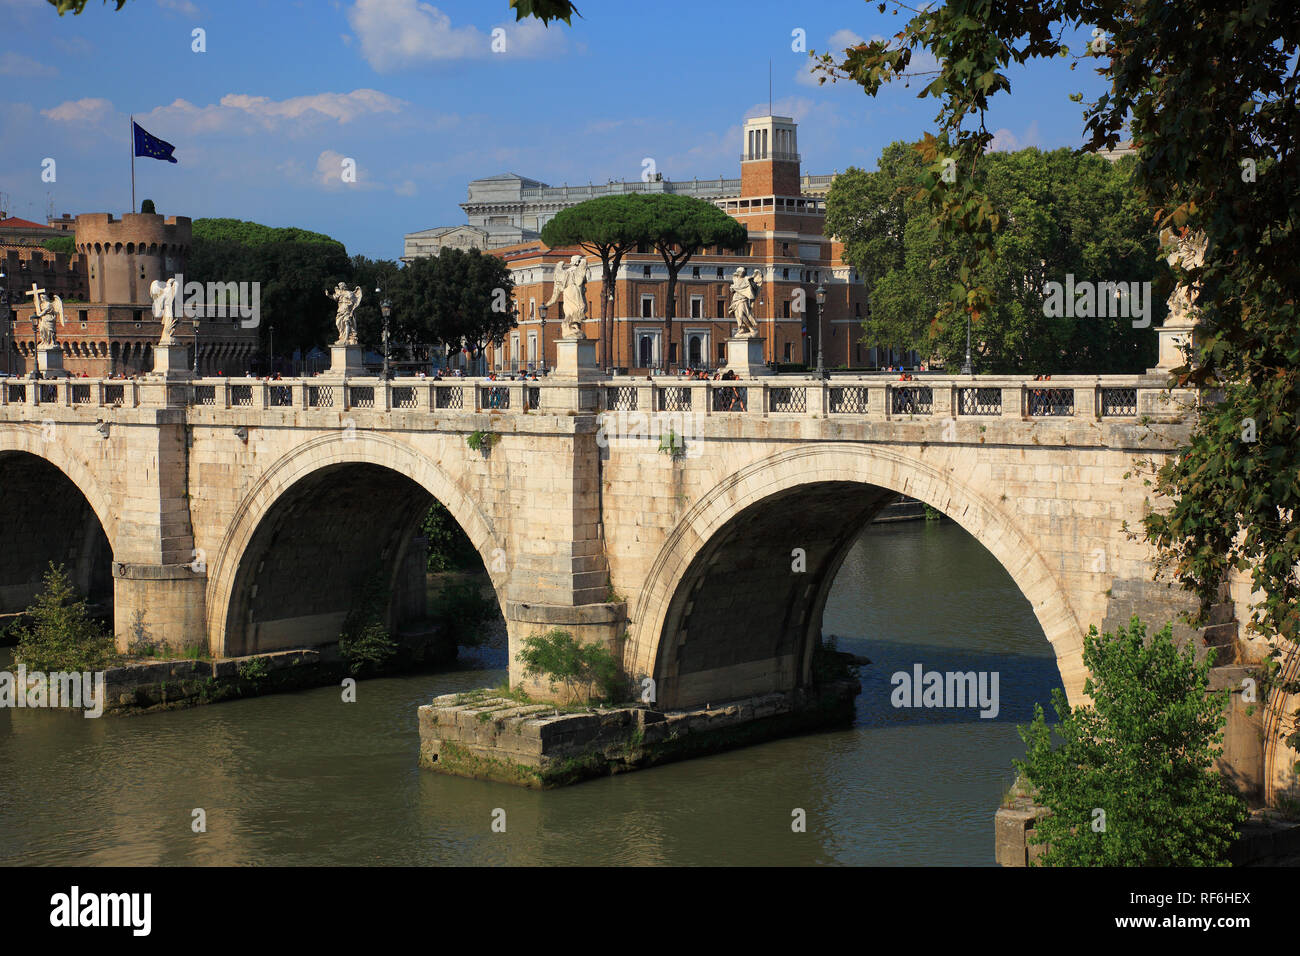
pixel 47 309
pixel 744 291
pixel 164 307
pixel 1186 252
pixel 348 302
pixel 571 281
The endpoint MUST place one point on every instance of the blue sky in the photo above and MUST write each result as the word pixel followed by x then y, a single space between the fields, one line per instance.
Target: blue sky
pixel 412 92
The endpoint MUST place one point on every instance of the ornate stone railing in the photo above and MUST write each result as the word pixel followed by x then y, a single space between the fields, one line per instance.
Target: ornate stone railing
pixel 873 397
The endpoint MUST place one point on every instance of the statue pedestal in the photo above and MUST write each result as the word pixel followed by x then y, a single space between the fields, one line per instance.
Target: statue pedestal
pixel 172 362
pixel 1172 340
pixel 345 360
pixel 49 361
pixel 745 357
pixel 575 361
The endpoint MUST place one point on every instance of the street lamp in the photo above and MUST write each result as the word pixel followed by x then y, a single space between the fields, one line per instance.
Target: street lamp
pixel 386 308
pixel 820 295
pixel 609 340
pixel 196 345
pixel 4 306
pixel 270 351
pixel 965 369
pixel 542 309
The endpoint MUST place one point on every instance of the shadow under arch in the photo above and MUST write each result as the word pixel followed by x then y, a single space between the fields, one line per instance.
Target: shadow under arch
pixel 48 518
pixel 723 613
pixel 306 536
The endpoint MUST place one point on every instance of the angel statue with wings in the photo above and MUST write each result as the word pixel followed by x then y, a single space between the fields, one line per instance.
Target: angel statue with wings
pixel 744 292
pixel 571 282
pixel 343 319
pixel 164 307
pixel 47 309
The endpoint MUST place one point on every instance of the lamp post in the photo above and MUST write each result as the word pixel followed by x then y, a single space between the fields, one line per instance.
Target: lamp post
pixel 196 345
pixel 820 295
pixel 542 344
pixel 4 307
pixel 966 369
pixel 609 341
pixel 270 350
pixel 386 308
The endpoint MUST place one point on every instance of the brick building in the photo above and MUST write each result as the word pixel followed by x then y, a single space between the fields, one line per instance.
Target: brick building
pixel 784 212
pixel 111 329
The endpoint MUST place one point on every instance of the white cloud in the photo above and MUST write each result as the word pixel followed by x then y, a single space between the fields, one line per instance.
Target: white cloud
pixel 15 64
pixel 401 34
pixel 843 39
pixel 1005 141
pixel 329 170
pixel 79 111
pixel 343 107
pixel 180 6
pixel 406 188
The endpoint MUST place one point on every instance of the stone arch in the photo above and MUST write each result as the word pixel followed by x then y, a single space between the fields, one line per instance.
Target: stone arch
pixel 309 459
pixel 56 511
pixel 677 569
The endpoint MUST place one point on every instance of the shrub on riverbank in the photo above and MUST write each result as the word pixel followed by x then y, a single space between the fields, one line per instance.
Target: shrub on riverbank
pixel 59 633
pixel 463 612
pixel 561 659
pixel 1132 783
pixel 364 640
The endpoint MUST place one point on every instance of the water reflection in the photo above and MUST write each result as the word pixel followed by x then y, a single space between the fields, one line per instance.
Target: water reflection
pixel 307 779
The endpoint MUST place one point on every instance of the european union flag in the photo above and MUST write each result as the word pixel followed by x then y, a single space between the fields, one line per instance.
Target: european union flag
pixel 151 146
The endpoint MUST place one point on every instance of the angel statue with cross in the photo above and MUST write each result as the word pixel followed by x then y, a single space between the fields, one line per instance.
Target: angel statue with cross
pixel 47 309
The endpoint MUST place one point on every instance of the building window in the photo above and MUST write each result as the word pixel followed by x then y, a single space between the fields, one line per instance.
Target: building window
pixel 697 307
pixel 788 347
pixel 81 314
pixel 722 352
pixel 695 272
pixel 719 272
pixel 785 309
pixel 645 273
pixel 785 248
pixel 647 306
pixel 722 309
pixel 785 273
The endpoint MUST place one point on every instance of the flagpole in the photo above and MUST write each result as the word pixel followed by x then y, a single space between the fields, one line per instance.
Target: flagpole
pixel 132 139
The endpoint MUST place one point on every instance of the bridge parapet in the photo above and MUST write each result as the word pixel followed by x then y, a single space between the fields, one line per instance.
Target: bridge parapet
pixel 1132 397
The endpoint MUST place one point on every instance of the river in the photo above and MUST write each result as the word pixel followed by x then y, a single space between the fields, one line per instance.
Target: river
pixel 307 779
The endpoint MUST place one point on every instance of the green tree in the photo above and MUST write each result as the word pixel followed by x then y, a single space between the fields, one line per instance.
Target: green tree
pixel 61 635
pixel 66 245
pixel 449 547
pixel 678 227
pixel 608 227
pixel 147 207
pixel 295 269
pixel 1142 755
pixel 459 297
pixel 1207 93
pixel 1062 214
pixel 562 659
pixel 364 640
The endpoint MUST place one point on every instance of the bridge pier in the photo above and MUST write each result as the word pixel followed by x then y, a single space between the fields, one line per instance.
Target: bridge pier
pixel 161 604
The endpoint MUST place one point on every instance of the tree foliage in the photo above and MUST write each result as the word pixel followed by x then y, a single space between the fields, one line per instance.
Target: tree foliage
pixel 1132 782
pixel 61 635
pixel 608 227
pixel 1062 214
pixel 1208 94
pixel 678 227
pixel 456 298
pixel 585 670
pixel 66 245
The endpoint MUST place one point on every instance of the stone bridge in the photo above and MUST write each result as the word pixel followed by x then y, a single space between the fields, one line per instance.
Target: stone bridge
pixel 694 527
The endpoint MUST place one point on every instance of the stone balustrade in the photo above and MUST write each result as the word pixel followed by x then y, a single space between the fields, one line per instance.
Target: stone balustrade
pixel 871 397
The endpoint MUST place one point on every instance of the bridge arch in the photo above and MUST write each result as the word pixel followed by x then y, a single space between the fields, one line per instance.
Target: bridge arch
pixel 52 508
pixel 811 497
pixel 370 476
